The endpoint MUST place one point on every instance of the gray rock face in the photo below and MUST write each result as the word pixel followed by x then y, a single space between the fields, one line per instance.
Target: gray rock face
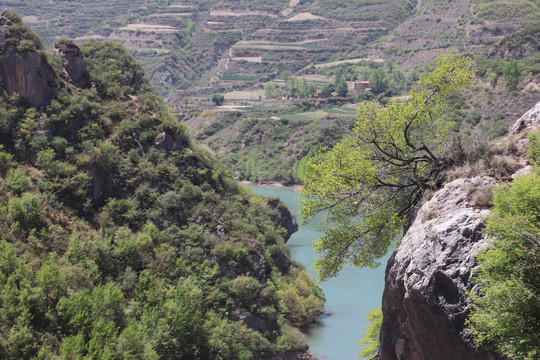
pixel 167 142
pixel 529 119
pixel 74 67
pixel 28 75
pixel 424 302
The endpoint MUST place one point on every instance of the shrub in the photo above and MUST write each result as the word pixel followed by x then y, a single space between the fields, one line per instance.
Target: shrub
pixel 25 211
pixel 245 288
pixel 505 312
pixel 17 180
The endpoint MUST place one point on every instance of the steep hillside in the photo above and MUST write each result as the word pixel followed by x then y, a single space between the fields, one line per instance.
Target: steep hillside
pixel 120 237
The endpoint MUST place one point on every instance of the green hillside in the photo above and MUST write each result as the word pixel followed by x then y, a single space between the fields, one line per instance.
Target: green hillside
pixel 122 239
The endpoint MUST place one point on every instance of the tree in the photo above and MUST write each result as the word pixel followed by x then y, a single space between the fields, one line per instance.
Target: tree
pixel 370 336
pixel 378 82
pixel 271 91
pixel 505 313
pixel 218 99
pixel 340 85
pixel 371 181
pixel 511 74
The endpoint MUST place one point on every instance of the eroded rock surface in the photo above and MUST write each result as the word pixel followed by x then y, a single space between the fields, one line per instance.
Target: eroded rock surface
pixel 424 301
pixel 74 67
pixel 529 119
pixel 25 73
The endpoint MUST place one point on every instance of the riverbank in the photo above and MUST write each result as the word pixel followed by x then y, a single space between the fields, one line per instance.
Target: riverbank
pixel 272 185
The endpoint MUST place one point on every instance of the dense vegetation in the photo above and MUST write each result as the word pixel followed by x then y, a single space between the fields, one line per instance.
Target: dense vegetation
pixel 506 310
pixel 120 238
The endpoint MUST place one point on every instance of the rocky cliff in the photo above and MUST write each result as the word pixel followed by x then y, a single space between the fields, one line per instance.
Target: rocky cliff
pixel 23 70
pixel 74 68
pixel 424 302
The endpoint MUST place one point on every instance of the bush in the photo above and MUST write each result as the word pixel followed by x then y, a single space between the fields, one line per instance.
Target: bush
pixel 17 181
pixel 505 314
pixel 25 211
pixel 245 288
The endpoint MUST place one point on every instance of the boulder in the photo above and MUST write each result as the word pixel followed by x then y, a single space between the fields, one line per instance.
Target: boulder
pixel 73 66
pixel 167 142
pixel 424 302
pixel 529 119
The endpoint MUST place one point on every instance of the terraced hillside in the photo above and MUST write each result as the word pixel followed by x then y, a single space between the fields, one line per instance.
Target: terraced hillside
pixel 180 42
pixel 462 25
pixel 194 49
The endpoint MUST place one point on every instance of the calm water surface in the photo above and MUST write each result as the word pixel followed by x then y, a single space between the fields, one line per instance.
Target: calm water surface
pixel 349 297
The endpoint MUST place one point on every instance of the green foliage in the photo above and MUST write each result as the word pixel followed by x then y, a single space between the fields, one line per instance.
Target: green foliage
pixel 121 236
pixel 218 99
pixel 245 289
pixel 25 212
pixel 340 85
pixel 112 69
pixel 505 312
pixel 511 74
pixel 370 336
pixel 378 82
pixel 368 183
pixel 534 151
pixel 302 165
pixel 17 181
pixel 271 91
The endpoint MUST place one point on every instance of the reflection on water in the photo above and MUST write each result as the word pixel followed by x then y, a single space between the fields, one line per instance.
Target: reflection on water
pixel 349 297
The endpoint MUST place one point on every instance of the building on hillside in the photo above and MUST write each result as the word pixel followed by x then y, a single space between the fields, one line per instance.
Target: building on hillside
pixel 358 87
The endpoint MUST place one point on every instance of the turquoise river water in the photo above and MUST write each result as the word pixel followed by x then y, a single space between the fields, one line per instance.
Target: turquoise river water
pixel 349 297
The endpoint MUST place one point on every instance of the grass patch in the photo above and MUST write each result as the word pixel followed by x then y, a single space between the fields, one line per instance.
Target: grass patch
pixel 240 78
pixel 314 115
pixel 259 108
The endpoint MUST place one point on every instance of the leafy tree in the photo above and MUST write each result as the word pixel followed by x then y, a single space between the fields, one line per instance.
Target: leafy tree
pixel 272 91
pixel 511 74
pixel 328 89
pixel 17 180
pixel 302 165
pixel 370 337
pixel 218 99
pixel 25 212
pixel 340 85
pixel 371 181
pixel 505 314
pixel 378 82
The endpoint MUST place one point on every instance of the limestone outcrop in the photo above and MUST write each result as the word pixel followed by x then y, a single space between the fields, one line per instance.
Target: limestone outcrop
pixel 26 73
pixel 424 302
